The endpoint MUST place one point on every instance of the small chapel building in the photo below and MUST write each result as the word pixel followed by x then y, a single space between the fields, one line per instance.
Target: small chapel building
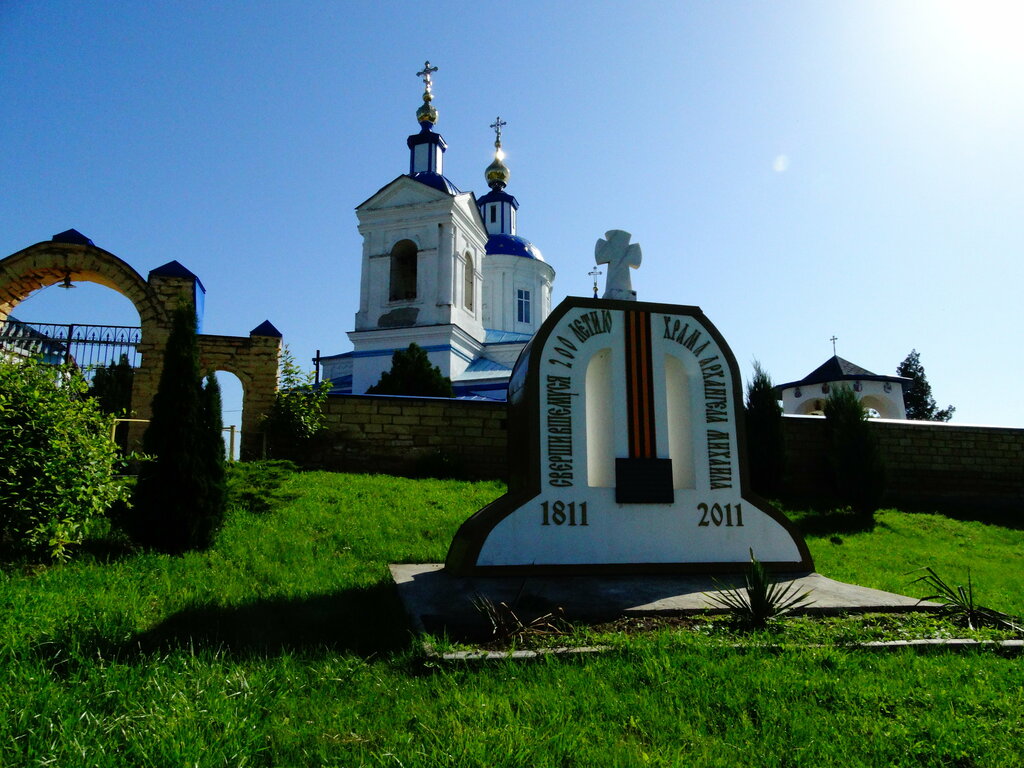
pixel 881 394
pixel 445 270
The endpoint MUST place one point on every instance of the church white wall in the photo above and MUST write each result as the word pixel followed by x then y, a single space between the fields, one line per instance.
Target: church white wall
pixel 504 275
pixel 872 394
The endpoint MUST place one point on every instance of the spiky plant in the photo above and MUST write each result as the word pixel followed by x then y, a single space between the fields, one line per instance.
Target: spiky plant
pixel 959 603
pixel 762 599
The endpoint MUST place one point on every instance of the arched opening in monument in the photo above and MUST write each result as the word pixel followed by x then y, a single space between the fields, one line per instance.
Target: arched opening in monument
pixel 680 423
pixel 600 437
pixel 232 396
pixel 403 271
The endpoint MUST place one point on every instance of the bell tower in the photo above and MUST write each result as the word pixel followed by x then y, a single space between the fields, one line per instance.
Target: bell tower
pixel 421 279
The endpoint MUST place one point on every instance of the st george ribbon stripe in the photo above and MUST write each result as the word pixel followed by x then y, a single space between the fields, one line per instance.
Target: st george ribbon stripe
pixel 639 385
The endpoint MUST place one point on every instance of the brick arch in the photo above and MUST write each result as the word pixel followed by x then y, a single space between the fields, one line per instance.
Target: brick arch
pixel 46 263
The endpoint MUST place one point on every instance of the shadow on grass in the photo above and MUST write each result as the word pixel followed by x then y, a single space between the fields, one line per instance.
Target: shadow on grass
pixel 825 520
pixel 366 621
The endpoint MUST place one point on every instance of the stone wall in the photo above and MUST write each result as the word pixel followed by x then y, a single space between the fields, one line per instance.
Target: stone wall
pixel 927 463
pixel 371 433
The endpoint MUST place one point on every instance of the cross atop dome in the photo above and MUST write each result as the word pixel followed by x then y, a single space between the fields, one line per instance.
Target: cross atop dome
pixel 497 173
pixel 497 125
pixel 427 114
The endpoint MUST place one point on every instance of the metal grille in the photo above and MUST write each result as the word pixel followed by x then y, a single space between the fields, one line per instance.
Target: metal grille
pixel 88 347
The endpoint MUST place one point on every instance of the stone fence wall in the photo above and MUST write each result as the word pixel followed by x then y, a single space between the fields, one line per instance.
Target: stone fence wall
pixel 926 462
pixel 402 435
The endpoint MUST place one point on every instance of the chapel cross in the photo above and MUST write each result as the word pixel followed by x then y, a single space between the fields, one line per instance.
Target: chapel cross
pixel 426 73
pixel 619 255
pixel 834 339
pixel 497 125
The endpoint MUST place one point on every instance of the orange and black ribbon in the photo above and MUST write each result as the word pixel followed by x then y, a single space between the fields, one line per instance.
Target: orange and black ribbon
pixel 640 386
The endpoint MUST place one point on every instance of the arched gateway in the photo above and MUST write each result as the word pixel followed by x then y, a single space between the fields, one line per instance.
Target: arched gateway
pixel 70 256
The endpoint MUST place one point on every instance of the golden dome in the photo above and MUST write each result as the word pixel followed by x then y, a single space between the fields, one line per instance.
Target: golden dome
pixel 498 173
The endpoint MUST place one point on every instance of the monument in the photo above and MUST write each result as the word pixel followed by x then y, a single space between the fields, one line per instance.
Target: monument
pixel 627 448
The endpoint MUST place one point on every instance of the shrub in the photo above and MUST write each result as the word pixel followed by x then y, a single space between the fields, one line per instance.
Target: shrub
pixel 412 374
pixel 296 419
pixel 180 494
pixel 58 465
pixel 857 470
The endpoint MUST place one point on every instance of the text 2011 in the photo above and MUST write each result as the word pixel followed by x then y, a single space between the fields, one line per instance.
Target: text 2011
pixel 729 515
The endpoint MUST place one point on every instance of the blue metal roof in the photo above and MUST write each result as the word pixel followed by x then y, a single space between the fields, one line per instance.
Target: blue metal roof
pixel 513 245
pixel 483 364
pixel 435 180
pixel 506 337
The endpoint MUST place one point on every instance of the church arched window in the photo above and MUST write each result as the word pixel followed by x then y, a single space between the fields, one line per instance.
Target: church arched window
pixel 403 271
pixel 469 281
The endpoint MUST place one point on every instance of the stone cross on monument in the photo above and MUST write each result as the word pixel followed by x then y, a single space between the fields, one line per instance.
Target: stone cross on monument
pixel 617 252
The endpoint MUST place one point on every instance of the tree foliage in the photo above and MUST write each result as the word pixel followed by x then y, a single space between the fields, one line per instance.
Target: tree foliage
pixel 412 374
pixel 180 494
pixel 857 469
pixel 766 460
pixel 296 419
pixel 112 387
pixel 917 396
pixel 58 466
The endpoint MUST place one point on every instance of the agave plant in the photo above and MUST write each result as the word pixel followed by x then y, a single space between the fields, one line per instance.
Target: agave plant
pixel 959 603
pixel 762 600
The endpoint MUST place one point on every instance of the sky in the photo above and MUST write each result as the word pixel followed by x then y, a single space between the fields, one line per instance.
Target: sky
pixel 798 169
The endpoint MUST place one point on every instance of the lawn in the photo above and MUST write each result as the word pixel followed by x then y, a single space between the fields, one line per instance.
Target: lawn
pixel 284 645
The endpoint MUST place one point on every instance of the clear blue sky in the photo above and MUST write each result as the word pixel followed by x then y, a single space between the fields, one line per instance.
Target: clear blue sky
pixel 797 169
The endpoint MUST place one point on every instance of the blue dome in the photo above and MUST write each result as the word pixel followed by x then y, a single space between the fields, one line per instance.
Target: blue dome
pixel 513 245
pixel 435 180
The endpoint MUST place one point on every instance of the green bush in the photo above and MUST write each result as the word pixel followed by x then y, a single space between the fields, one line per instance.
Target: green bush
pixel 412 374
pixel 58 465
pixel 857 470
pixel 296 421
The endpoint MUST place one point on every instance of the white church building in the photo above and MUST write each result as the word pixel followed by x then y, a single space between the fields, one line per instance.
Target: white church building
pixel 882 395
pixel 445 270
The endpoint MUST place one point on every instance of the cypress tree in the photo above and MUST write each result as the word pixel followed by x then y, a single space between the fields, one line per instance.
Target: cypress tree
pixel 179 497
pixel 766 455
pixel 857 468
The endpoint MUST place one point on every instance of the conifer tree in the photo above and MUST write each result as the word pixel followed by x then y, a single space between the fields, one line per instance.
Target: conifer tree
pixel 179 497
pixel 766 460
pixel 857 468
pixel 917 397
pixel 412 374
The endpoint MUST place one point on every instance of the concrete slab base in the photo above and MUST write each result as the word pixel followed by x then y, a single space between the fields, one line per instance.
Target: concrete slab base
pixel 438 602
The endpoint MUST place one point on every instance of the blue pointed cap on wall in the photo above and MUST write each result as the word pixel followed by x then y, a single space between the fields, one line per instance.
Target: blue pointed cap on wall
pixel 176 269
pixel 72 236
pixel 266 328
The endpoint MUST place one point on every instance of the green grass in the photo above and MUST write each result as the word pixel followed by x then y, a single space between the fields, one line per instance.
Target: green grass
pixel 284 645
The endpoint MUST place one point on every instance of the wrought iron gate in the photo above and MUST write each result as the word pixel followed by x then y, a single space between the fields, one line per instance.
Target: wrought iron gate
pixel 88 347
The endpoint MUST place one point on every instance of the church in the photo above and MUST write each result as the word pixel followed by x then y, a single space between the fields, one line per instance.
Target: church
pixel 445 270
